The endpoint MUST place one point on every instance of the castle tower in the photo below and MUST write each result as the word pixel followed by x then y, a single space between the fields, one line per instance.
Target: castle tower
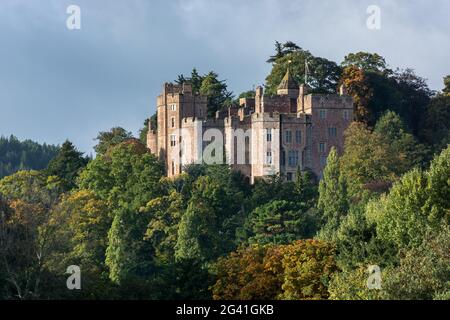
pixel 288 86
pixel 176 103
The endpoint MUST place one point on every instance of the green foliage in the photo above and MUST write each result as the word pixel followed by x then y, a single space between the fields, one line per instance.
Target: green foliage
pixel 111 138
pixel 282 50
pixel 272 188
pixel 375 89
pixel 357 244
pixel 323 74
pixel 279 222
pixel 216 91
pixel 423 272
pixel 165 215
pixel 368 162
pixel 66 165
pixel 126 177
pixel 247 94
pixel 209 85
pixel 436 124
pixel 26 236
pixel 18 155
pixel 416 205
pixel 333 199
pixel 366 61
pixel 402 144
pixel 206 230
pixel 308 266
pixel 144 131
pixel 352 285
pixel 446 89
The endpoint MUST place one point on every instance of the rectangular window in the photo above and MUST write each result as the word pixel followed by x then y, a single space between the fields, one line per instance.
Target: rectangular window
pixel 173 107
pixel 173 140
pixel 298 137
pixel 288 136
pixel 293 158
pixel 269 157
pixel 332 132
pixel 283 157
pixel 172 120
pixel 269 135
pixel 346 114
pixel 289 176
pixel 322 114
pixel 323 161
pixel 322 147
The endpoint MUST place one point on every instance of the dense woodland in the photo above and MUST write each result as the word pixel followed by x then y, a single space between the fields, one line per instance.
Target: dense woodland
pixel 18 155
pixel 207 234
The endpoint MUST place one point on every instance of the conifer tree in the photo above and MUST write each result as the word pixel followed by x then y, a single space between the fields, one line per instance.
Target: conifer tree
pixel 333 201
pixel 67 164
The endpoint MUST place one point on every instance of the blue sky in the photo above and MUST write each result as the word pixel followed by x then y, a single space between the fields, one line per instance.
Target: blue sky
pixel 57 84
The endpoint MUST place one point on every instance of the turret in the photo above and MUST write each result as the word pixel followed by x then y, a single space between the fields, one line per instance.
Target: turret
pixel 288 86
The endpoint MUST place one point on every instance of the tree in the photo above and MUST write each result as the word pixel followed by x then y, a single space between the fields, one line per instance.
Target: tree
pixel 333 199
pixel 216 91
pixel 323 77
pixel 366 61
pixel 199 234
pixel 436 125
pixel 358 87
pixel 446 89
pixel 300 270
pixel 144 131
pixel 282 50
pixel 279 222
pixel 67 165
pixel 127 177
pixel 81 221
pixel 251 273
pixel 375 89
pixel 416 205
pixel 18 155
pixel 195 80
pixel 357 244
pixel 306 187
pixel 366 161
pixel 404 146
pixel 414 98
pixel 423 272
pixel 272 188
pixel 26 232
pixel 352 285
pixel 209 85
pixel 108 139
pixel 308 266
pixel 165 215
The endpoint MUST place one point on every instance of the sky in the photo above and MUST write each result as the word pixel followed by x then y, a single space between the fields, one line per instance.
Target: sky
pixel 58 84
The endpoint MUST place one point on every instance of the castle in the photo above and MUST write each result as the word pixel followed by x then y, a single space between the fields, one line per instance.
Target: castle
pixel 261 136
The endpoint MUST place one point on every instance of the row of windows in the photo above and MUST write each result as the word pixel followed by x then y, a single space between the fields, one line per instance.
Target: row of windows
pixel 293 158
pixel 332 133
pixel 345 114
pixel 288 136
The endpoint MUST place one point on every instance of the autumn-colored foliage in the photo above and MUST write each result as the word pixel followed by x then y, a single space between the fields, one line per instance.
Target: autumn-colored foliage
pixel 300 270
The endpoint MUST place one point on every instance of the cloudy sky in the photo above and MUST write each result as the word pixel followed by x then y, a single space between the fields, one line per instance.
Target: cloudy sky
pixel 58 84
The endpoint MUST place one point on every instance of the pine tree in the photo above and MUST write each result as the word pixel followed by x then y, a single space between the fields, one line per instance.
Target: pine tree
pixel 67 164
pixel 333 201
